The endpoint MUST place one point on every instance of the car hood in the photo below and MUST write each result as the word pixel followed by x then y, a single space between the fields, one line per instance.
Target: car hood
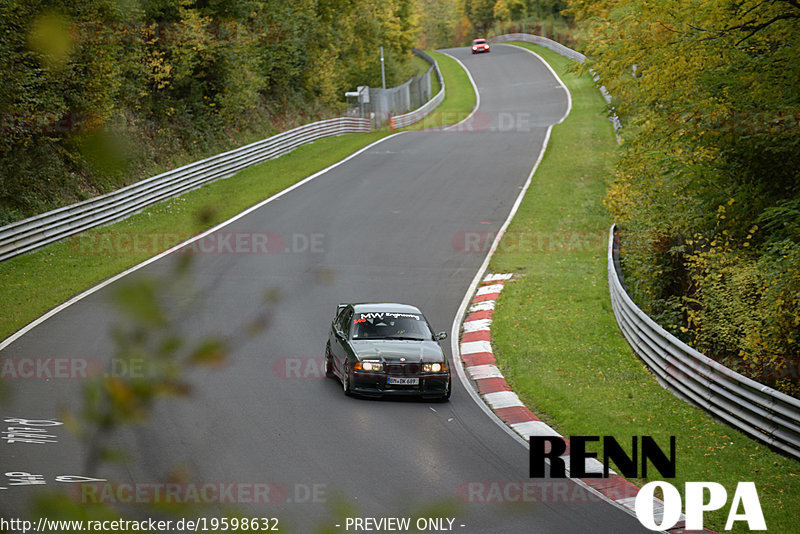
pixel 392 350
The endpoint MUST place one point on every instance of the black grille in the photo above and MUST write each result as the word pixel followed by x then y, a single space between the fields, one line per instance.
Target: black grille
pixel 402 369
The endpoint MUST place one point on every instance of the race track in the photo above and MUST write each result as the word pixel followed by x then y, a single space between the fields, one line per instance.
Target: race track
pixel 385 226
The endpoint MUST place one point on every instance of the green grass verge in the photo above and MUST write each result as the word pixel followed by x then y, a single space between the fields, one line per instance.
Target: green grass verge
pixel 34 283
pixel 459 96
pixel 558 344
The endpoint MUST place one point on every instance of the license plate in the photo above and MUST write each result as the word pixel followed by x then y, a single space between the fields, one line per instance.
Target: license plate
pixel 402 381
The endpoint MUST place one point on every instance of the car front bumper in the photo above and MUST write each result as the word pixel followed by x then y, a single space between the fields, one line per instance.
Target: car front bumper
pixel 375 384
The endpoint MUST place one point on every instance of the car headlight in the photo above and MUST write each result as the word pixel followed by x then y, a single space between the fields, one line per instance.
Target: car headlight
pixel 474 47
pixel 433 367
pixel 371 366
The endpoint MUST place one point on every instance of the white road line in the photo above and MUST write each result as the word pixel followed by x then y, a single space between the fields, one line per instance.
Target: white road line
pixel 456 327
pixel 563 85
pixel 22 331
pixel 6 342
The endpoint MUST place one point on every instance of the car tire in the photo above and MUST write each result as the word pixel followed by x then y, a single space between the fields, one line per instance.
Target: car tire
pixel 346 380
pixel 329 362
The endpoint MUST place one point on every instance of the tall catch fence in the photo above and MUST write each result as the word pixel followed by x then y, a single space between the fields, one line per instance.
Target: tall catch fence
pixel 383 105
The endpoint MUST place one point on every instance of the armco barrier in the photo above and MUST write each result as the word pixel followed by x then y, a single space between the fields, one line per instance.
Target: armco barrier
pixel 753 408
pixel 539 40
pixel 35 232
pixel 420 113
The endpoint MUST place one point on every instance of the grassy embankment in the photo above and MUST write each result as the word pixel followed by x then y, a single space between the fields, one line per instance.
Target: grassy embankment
pixel 557 341
pixel 459 95
pixel 34 283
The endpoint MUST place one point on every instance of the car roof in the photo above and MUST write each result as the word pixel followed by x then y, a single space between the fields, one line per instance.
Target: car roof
pixel 478 39
pixel 366 307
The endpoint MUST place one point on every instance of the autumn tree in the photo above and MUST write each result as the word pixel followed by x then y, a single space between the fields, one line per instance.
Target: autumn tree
pixel 437 21
pixel 100 93
pixel 707 187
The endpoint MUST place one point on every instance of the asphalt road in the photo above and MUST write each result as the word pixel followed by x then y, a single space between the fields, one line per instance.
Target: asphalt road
pixel 378 227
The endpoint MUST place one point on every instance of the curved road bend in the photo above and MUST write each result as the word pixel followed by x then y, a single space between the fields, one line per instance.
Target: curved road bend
pixel 387 220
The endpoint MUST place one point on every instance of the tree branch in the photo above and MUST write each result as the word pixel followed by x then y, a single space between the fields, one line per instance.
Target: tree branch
pixel 753 29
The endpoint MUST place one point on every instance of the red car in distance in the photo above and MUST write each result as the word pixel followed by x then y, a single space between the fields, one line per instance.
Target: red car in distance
pixel 479 46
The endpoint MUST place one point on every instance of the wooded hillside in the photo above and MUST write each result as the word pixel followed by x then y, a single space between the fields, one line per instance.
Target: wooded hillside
pixel 100 93
pixel 707 188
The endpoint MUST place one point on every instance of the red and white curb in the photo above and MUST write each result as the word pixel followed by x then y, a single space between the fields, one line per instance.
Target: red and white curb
pixel 481 366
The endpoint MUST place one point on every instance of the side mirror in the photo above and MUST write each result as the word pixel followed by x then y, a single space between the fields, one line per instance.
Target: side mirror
pixel 440 336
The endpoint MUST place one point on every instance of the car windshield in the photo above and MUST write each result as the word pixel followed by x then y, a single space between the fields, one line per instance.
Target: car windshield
pixel 479 41
pixel 390 325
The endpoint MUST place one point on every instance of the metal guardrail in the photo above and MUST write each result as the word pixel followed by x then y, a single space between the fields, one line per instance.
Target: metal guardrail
pixel 753 408
pixel 40 230
pixel 420 113
pixel 543 41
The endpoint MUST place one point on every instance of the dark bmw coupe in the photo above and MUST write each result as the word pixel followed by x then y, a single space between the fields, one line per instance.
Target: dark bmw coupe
pixel 383 348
